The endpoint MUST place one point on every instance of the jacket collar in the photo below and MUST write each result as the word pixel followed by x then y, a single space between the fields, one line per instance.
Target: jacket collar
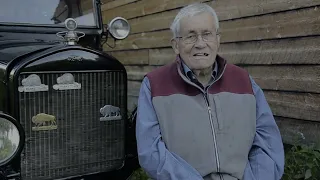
pixel 218 70
pixel 189 73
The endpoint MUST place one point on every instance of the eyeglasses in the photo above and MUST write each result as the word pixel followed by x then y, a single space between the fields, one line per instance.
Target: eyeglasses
pixel 191 39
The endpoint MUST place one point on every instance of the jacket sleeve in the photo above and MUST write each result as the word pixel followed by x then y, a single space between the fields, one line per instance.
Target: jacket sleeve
pixel 266 157
pixel 154 158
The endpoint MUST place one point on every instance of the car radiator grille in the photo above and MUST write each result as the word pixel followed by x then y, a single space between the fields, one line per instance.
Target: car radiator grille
pixel 79 143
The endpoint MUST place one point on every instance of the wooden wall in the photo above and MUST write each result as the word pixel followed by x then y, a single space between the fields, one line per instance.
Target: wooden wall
pixel 277 41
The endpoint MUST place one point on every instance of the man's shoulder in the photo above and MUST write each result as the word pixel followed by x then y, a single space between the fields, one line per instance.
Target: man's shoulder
pixel 238 78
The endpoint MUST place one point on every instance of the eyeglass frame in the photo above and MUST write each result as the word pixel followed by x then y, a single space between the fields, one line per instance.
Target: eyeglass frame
pixel 197 37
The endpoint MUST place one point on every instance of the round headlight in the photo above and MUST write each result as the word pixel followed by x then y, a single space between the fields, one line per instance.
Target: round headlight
pixel 119 28
pixel 71 24
pixel 11 139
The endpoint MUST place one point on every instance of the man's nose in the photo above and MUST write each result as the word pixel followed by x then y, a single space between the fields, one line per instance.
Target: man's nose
pixel 199 42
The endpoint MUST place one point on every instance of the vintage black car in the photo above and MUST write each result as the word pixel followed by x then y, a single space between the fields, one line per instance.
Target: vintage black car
pixel 63 101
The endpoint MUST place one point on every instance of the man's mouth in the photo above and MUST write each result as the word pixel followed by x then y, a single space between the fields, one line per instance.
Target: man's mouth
pixel 201 54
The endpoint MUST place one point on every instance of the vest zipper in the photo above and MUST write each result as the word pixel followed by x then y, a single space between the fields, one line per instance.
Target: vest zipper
pixel 205 95
pixel 213 132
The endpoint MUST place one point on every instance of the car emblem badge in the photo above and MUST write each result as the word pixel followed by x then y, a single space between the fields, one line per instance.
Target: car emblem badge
pixel 44 122
pixel 66 81
pixel 75 58
pixel 110 113
pixel 32 84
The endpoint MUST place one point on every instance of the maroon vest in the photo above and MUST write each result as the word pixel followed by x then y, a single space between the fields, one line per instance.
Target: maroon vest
pixel 212 130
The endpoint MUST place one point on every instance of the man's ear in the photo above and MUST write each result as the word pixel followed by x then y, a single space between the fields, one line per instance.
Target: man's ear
pixel 218 40
pixel 175 45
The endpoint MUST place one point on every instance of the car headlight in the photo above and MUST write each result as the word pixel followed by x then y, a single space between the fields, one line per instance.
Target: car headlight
pixel 119 28
pixel 12 139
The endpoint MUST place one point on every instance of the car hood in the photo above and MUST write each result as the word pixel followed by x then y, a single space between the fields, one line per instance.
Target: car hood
pixel 11 49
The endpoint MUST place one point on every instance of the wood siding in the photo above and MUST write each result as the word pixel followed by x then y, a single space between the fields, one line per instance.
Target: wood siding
pixel 276 41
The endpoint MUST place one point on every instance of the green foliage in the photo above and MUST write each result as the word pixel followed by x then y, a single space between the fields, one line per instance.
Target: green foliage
pixel 302 163
pixel 139 175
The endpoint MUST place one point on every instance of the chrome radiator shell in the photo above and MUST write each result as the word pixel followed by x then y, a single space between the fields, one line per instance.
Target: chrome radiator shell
pixel 78 142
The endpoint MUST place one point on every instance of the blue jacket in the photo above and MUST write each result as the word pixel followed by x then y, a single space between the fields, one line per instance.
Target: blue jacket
pixel 266 158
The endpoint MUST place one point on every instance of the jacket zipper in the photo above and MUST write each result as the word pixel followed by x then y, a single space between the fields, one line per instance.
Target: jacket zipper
pixel 213 132
pixel 210 114
pixel 216 149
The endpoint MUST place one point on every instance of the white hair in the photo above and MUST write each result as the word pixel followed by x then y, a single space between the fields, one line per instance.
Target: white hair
pixel 192 10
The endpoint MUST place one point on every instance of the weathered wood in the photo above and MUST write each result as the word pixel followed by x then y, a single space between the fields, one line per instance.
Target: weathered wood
pixel 287 78
pixel 153 22
pixel 143 40
pixel 294 105
pixel 145 7
pixel 138 72
pixel 137 57
pixel 226 10
pixel 114 4
pixel 161 56
pixel 163 20
pixel 302 22
pixel 132 102
pixel 134 88
pixel 231 9
pixel 299 132
pixel 305 50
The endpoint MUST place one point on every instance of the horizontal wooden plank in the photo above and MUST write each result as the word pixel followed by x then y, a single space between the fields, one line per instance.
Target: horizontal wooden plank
pixel 231 9
pixel 271 22
pixel 114 4
pixel 294 105
pixel 137 73
pixel 226 10
pixel 143 40
pixel 152 22
pixel 303 22
pixel 287 78
pixel 145 7
pixel 299 132
pixel 304 50
pixel 137 57
pixel 161 56
pixel 134 88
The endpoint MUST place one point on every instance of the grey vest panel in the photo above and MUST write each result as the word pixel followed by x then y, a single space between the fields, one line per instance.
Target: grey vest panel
pixel 187 131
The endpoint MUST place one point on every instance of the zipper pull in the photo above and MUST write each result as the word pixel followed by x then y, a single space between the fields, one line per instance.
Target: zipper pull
pixel 209 109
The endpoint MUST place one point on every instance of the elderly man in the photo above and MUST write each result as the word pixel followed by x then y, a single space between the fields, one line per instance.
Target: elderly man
pixel 202 118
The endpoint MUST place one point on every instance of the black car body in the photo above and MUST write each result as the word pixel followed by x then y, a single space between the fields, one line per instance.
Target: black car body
pixel 67 95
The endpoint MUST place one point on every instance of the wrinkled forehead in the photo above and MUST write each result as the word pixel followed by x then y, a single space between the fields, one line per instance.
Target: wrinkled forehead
pixel 198 23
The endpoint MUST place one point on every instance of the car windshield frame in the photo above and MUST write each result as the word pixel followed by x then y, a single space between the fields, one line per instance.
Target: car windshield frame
pixel 96 20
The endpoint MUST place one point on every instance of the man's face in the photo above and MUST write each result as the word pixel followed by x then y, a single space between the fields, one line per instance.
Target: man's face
pixel 200 54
